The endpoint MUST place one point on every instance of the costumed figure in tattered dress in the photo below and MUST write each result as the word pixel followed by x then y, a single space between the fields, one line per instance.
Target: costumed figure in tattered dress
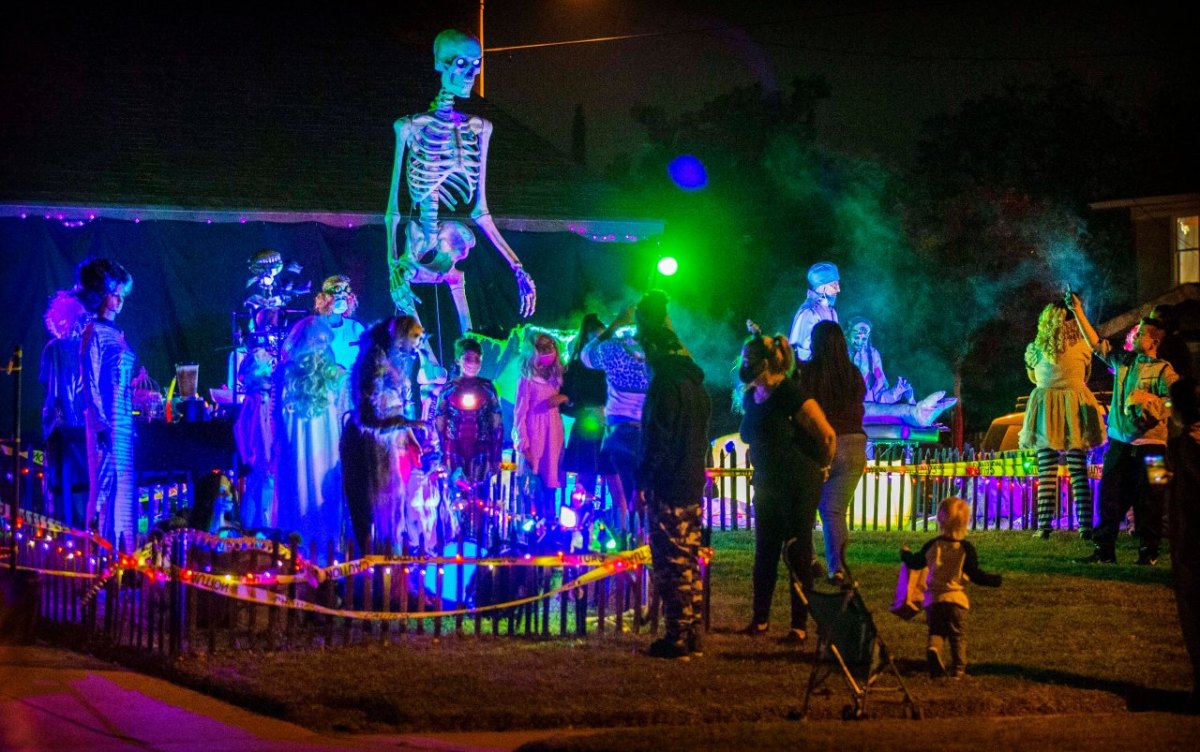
pixel 62 409
pixel 442 154
pixel 253 435
pixel 306 406
pixel 107 371
pixel 385 483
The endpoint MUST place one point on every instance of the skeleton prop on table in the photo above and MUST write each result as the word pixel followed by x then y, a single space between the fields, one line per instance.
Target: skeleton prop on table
pixel 870 364
pixel 443 156
pixel 824 285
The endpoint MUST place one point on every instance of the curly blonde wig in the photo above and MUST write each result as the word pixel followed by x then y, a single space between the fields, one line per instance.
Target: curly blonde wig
pixel 311 379
pixel 1056 332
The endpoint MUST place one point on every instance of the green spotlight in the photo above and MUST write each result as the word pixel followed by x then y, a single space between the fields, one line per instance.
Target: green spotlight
pixel 667 266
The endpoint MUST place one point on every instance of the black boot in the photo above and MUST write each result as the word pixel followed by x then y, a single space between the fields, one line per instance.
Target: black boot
pixel 1100 555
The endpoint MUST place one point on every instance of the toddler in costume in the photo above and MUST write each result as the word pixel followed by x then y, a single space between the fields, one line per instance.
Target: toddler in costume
pixel 950 562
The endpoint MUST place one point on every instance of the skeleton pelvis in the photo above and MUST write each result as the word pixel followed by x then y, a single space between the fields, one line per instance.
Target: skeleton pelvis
pixel 439 252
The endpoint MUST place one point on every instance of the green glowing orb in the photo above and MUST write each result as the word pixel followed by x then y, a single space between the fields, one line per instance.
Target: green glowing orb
pixel 667 266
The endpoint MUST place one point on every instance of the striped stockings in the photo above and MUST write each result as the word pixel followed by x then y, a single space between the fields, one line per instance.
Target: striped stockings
pixel 1047 498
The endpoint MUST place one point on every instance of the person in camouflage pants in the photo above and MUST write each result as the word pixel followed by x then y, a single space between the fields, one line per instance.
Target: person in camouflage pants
pixel 671 476
pixel 675 554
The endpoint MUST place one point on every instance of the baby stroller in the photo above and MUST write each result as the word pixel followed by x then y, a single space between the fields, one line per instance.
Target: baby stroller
pixel 847 641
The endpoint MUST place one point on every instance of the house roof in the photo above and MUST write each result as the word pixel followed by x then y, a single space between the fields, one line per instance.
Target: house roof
pixel 1185 297
pixel 1154 206
pixel 197 122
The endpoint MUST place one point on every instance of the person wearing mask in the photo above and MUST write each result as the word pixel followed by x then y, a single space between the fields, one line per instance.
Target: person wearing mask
pixel 62 410
pixel 537 422
pixel 792 448
pixel 336 304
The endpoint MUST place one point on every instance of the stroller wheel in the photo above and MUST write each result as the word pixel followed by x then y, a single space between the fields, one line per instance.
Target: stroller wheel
pixel 852 713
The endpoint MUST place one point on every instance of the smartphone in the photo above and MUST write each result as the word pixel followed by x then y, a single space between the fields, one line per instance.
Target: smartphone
pixel 1156 469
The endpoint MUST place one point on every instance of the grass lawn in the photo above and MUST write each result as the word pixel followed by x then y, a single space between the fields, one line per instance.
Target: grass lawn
pixel 1056 639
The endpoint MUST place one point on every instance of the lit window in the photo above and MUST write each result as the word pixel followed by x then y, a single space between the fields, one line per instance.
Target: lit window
pixel 1187 249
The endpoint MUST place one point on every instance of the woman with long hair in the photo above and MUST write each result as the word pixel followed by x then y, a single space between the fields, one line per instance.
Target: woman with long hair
pixel 537 423
pixel 832 379
pixel 1062 416
pixel 307 405
pixel 586 392
pixel 379 451
pixel 791 447
pixel 106 365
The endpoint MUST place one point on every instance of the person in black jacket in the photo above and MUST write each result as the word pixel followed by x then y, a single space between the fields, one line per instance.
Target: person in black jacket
pixel 586 390
pixel 1183 516
pixel 792 447
pixel 671 479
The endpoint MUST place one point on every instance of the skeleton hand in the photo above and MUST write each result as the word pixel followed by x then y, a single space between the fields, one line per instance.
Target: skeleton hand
pixel 526 290
pixel 399 274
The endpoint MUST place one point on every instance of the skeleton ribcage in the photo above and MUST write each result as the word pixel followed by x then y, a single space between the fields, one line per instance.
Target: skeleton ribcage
pixel 443 163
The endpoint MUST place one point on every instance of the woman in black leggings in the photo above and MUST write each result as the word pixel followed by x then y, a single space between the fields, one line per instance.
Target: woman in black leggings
pixel 791 448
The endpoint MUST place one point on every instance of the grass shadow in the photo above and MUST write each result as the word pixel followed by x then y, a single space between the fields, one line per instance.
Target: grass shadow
pixel 1138 698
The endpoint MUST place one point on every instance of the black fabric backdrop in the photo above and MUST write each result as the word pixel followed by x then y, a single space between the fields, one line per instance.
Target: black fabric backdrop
pixel 189 277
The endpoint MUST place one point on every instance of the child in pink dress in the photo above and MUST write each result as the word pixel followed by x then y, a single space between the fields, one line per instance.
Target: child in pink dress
pixel 537 423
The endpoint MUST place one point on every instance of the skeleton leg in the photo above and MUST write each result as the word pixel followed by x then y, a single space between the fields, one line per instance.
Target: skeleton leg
pixel 456 280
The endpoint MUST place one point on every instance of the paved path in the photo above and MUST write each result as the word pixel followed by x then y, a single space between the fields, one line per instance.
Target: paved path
pixel 52 699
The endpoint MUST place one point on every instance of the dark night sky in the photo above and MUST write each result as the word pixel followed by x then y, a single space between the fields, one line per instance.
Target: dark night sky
pixel 890 64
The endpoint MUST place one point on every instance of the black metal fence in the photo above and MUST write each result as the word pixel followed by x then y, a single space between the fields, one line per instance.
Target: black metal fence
pixel 186 591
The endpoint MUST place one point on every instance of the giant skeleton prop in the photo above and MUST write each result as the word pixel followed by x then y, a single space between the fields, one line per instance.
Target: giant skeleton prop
pixel 443 155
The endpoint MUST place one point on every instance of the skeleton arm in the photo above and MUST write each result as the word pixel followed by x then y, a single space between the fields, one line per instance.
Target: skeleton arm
pixel 400 264
pixel 483 218
pixel 391 217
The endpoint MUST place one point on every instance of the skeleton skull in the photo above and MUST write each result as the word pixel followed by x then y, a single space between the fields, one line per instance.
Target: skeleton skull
pixel 457 56
pixel 860 334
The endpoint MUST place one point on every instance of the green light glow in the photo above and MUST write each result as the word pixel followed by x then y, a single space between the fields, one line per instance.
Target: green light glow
pixel 667 266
